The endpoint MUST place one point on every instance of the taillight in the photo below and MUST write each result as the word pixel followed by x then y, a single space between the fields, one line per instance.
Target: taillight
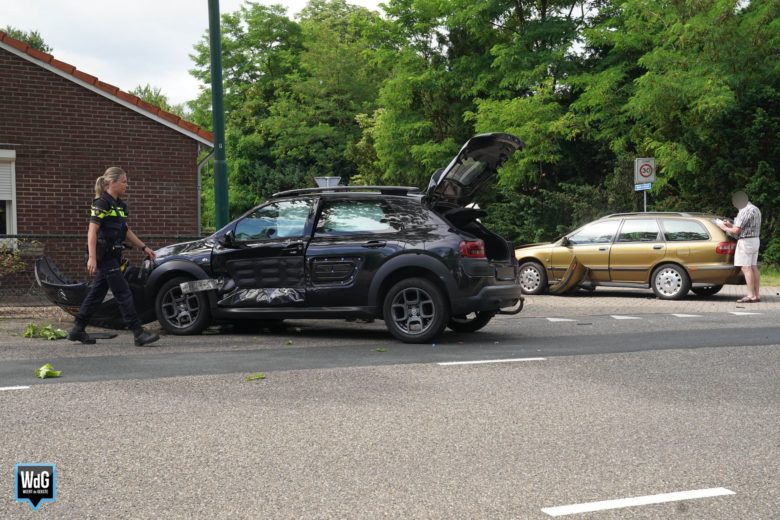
pixel 726 248
pixel 472 249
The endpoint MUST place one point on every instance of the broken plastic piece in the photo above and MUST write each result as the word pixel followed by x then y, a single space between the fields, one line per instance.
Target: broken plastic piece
pixel 279 296
pixel 573 276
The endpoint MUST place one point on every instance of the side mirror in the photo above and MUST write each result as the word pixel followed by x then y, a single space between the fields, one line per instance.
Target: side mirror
pixel 228 239
pixel 565 242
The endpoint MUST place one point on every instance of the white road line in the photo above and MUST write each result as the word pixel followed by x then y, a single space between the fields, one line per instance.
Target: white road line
pixel 450 363
pixel 559 319
pixel 2 388
pixel 687 315
pixel 737 313
pixel 625 317
pixel 636 501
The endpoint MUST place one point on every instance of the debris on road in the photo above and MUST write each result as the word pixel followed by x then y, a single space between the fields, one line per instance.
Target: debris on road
pixel 49 332
pixel 47 371
pixel 257 376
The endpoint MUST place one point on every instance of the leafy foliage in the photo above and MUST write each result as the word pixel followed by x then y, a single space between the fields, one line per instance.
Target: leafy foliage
pixel 588 85
pixel 31 38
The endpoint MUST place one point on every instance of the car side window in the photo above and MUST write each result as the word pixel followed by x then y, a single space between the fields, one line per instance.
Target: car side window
pixel 596 233
pixel 348 217
pixel 684 230
pixel 639 231
pixel 283 219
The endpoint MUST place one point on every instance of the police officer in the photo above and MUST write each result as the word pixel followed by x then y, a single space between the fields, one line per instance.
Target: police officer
pixel 107 231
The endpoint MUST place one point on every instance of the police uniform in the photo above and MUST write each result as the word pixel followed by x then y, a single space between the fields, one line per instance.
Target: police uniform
pixel 110 214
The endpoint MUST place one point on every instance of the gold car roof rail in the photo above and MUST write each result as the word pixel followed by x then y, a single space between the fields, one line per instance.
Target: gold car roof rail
pixel 656 213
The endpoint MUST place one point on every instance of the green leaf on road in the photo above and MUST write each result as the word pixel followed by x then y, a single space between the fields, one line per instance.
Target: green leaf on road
pixel 289 342
pixel 255 377
pixel 49 332
pixel 47 371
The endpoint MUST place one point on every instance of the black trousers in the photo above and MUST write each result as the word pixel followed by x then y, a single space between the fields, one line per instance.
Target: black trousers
pixel 109 276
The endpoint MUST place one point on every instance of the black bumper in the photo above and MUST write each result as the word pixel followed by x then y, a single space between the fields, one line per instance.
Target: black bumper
pixel 490 298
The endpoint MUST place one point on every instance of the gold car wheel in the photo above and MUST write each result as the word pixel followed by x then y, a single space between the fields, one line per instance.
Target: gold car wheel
pixel 531 278
pixel 670 283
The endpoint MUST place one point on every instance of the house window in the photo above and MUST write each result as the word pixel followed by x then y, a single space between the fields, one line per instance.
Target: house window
pixel 7 192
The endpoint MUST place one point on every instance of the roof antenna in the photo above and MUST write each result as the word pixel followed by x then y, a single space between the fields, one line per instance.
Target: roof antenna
pixel 327 182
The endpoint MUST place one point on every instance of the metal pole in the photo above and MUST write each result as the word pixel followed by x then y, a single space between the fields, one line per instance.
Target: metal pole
pixel 218 116
pixel 644 192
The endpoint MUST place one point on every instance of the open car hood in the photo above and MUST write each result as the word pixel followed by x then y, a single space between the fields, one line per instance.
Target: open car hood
pixel 476 164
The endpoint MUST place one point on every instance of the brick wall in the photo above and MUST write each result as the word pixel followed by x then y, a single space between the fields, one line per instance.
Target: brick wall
pixel 65 136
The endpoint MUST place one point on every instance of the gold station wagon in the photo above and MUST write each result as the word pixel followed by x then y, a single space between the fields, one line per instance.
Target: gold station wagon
pixel 670 253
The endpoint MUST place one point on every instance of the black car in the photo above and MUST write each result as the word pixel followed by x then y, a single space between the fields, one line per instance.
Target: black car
pixel 420 260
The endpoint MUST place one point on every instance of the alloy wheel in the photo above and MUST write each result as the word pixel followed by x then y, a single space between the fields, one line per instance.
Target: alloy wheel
pixel 179 309
pixel 413 310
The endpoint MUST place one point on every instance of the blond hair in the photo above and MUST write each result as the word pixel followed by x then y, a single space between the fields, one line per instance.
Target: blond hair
pixel 112 174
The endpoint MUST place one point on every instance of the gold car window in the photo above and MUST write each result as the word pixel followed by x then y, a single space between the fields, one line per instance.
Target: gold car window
pixel 684 230
pixel 596 233
pixel 644 230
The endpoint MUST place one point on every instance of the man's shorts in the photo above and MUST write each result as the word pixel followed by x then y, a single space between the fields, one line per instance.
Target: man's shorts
pixel 747 252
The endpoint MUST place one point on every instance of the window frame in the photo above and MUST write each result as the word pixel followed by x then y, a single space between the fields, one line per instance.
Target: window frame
pixel 385 205
pixel 575 232
pixel 9 156
pixel 307 226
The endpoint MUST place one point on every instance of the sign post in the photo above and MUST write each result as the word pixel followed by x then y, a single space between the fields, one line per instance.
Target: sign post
pixel 644 175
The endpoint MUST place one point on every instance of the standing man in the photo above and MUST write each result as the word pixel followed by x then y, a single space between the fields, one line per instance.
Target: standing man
pixel 747 228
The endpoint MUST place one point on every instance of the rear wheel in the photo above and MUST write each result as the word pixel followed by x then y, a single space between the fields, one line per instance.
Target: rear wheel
pixel 709 290
pixel 470 322
pixel 180 313
pixel 533 278
pixel 670 282
pixel 415 310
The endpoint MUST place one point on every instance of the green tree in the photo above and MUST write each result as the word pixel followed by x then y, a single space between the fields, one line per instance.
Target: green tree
pixel 155 96
pixel 31 38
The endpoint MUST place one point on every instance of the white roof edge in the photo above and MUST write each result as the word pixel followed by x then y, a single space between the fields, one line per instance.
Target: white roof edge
pixel 7 154
pixel 115 99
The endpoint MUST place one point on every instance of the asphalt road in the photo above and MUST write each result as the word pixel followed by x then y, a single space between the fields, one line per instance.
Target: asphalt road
pixel 608 408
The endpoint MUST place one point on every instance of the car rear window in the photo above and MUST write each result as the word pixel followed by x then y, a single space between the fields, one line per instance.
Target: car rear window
pixel 644 230
pixel 684 230
pixel 347 217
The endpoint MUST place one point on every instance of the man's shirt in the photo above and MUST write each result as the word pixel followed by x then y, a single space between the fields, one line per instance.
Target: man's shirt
pixel 748 221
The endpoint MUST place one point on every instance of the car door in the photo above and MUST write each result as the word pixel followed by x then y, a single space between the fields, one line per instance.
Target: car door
pixel 262 258
pixel 352 238
pixel 638 247
pixel 591 245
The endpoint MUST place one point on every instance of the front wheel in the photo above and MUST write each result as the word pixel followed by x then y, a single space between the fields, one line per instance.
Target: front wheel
pixel 670 282
pixel 533 278
pixel 415 310
pixel 709 290
pixel 470 322
pixel 180 313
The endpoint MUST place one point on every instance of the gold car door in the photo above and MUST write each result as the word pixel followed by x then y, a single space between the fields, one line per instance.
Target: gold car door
pixel 591 245
pixel 638 248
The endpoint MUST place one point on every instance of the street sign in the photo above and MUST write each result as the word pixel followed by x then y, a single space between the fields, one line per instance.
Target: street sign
pixel 643 187
pixel 644 170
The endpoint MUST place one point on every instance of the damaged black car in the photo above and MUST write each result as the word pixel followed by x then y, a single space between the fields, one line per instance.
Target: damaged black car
pixel 421 260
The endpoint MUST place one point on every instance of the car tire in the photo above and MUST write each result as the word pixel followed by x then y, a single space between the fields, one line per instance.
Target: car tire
pixel 178 313
pixel 533 278
pixel 463 323
pixel 670 282
pixel 415 310
pixel 710 290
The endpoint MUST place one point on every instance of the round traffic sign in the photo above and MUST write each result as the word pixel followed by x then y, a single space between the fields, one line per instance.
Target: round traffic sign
pixel 646 170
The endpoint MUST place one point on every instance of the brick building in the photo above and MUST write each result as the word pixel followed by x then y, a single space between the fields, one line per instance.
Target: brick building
pixel 60 128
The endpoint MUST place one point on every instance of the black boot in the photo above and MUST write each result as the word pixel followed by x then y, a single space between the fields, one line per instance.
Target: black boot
pixel 144 338
pixel 77 333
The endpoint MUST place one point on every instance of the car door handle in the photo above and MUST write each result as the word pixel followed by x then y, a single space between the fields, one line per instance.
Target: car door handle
pixel 658 247
pixel 603 248
pixel 375 243
pixel 292 249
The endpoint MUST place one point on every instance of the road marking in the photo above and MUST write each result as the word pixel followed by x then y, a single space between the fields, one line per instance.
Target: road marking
pixel 449 363
pixel 636 501
pixel 737 313
pixel 2 388
pixel 625 317
pixel 559 319
pixel 687 315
